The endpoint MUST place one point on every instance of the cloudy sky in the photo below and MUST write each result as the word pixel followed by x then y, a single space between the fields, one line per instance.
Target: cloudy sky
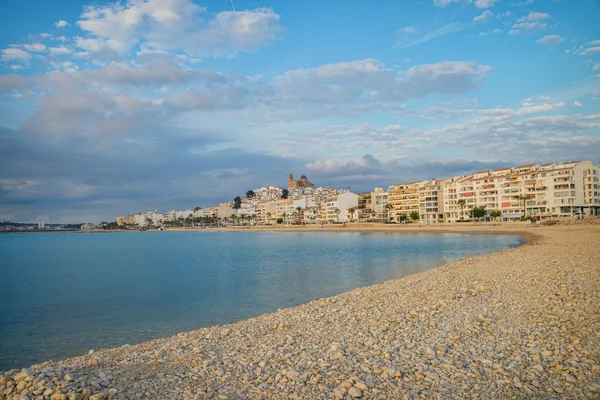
pixel 110 108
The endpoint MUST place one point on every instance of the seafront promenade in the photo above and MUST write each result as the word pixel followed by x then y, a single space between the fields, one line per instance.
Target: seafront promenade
pixel 521 323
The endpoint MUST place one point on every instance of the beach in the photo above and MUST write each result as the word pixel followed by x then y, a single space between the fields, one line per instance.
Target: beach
pixel 520 323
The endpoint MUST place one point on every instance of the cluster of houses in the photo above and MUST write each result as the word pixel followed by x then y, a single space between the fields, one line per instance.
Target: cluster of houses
pixel 535 190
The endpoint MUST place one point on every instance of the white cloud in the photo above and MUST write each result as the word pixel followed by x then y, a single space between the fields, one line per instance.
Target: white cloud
pixel 15 54
pixel 484 16
pixel 178 25
pixel 35 47
pixel 513 32
pixel 497 31
pixel 577 104
pixel 371 79
pixel 536 16
pixel 409 30
pixel 485 3
pixel 596 67
pixel 60 50
pixel 444 3
pixel 452 27
pixel 590 50
pixel 481 34
pixel 550 40
pixel 595 42
pixel 61 24
pixel 533 22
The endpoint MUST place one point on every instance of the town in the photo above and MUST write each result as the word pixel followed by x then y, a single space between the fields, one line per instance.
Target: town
pixel 534 192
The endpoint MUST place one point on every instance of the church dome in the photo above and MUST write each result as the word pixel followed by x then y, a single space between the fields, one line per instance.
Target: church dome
pixel 303 178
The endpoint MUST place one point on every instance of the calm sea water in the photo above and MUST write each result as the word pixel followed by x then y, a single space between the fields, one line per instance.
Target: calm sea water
pixel 63 294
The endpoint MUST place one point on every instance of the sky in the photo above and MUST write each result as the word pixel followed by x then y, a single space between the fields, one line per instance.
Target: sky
pixel 113 108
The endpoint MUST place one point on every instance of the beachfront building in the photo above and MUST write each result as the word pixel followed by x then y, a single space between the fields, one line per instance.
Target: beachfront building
pixel 371 205
pixel 284 209
pixel 310 215
pixel 365 210
pixel 335 209
pixel 565 189
pixel 547 190
pixel 225 211
pixel 265 213
pixel 379 200
pixel 404 198
pixel 151 218
pixel 431 201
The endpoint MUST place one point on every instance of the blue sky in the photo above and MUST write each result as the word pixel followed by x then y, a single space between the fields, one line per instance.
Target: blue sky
pixel 109 108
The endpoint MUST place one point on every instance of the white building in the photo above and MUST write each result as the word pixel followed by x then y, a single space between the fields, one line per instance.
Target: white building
pixel 335 208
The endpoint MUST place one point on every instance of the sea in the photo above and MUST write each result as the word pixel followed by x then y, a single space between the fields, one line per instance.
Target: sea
pixel 62 294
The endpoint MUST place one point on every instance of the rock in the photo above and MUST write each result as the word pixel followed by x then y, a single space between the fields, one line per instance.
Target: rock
pixel 58 396
pixel 98 396
pixel 25 374
pixel 69 378
pixel 355 392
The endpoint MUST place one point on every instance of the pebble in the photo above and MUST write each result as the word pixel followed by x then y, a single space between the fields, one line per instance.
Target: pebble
pixel 515 324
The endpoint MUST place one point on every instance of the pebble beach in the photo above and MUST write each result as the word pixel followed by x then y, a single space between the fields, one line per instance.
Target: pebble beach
pixel 521 323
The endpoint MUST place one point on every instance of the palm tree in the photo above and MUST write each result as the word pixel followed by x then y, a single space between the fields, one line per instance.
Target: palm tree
pixel 337 214
pixel 373 215
pixel 351 212
pixel 387 208
pixel 461 204
pixel 253 217
pixel 284 216
pixel 523 199
pixel 233 218
pixel 268 217
pixel 299 209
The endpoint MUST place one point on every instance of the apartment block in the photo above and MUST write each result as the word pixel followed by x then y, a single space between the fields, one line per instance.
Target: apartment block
pixel 431 201
pixel 335 208
pixel 265 213
pixel 404 198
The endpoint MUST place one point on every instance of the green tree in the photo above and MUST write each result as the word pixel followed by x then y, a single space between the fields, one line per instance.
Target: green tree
pixel 250 194
pixel 237 202
pixel 402 217
pixel 461 204
pixel 285 193
pixel 337 212
pixel 279 220
pixel 414 215
pixel 351 212
pixel 495 213
pixel 233 218
pixel 300 214
pixel 388 207
pixel 523 200
pixel 149 222
pixel 197 209
pixel 477 212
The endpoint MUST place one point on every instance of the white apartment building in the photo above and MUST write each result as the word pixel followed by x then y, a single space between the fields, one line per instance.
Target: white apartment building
pixel 335 208
pixel 555 189
pixel 431 201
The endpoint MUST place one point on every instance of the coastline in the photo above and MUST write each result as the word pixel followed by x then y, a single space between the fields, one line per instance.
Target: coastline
pixel 519 322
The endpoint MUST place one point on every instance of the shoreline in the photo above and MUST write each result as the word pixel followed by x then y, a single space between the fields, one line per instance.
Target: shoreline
pixel 280 348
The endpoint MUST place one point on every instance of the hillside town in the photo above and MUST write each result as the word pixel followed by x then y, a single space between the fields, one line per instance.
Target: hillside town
pixel 534 191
